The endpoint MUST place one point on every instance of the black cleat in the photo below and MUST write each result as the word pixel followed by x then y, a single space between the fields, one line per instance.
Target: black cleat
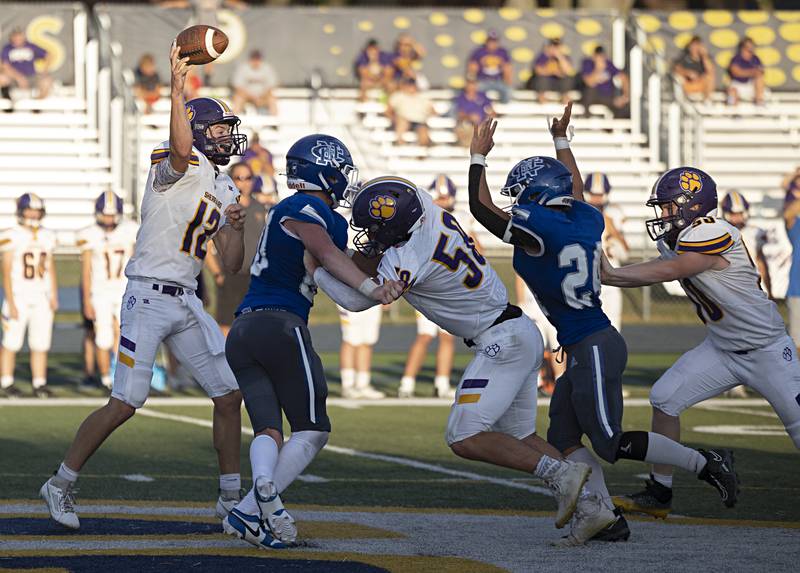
pixel 617 531
pixel 43 392
pixel 13 392
pixel 655 500
pixel 720 473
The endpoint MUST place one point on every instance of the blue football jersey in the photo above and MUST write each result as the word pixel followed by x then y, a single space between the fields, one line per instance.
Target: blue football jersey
pixel 278 277
pixel 565 276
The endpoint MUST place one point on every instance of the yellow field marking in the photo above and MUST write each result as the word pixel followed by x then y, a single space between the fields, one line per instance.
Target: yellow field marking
pixel 394 563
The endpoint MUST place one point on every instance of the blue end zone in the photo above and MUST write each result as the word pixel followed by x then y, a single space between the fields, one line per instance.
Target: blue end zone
pixel 106 526
pixel 194 563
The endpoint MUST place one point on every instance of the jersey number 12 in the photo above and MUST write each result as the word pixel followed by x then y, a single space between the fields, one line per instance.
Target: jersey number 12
pixel 194 243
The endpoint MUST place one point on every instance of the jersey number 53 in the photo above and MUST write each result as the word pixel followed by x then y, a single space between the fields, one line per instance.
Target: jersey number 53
pixel 452 262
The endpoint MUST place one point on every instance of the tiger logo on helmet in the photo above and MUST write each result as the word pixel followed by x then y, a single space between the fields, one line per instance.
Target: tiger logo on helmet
pixel 383 207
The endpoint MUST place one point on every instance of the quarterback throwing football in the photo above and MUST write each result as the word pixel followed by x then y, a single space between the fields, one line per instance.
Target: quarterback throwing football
pixel 186 203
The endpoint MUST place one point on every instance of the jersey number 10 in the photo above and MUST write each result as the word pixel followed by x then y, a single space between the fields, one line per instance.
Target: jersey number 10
pixel 194 243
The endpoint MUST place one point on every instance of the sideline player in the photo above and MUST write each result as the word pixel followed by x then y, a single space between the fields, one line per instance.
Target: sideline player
pixel 31 294
pixel 557 251
pixel 746 342
pixel 360 332
pixel 186 203
pixel 105 249
pixel 406 237
pixel 551 368
pixel 273 315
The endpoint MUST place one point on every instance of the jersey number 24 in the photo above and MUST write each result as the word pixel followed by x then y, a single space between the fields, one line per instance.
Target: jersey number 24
pixel 575 254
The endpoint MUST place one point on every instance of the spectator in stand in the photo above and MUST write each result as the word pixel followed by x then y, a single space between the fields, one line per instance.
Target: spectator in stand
pixel 194 81
pixel 407 55
pixel 374 69
pixel 553 72
pixel 265 186
pixel 19 58
pixel 471 107
pixel 747 75
pixel 694 70
pixel 409 109
pixel 231 288
pixel 598 74
pixel 791 216
pixel 490 65
pixel 148 85
pixel 254 82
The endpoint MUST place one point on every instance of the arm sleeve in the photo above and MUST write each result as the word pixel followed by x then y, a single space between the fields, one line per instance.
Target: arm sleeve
pixel 342 294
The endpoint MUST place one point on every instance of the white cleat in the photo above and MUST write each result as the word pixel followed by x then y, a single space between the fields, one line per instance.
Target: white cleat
pixel 350 393
pixel 590 518
pixel 249 528
pixel 275 516
pixel 566 486
pixel 370 393
pixel 226 501
pixel 61 504
pixel 449 393
pixel 405 392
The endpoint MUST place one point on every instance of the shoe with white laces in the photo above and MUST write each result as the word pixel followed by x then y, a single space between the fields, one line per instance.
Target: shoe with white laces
pixel 61 503
pixel 370 393
pixel 275 516
pixel 227 500
pixel 251 529
pixel 591 517
pixel 566 486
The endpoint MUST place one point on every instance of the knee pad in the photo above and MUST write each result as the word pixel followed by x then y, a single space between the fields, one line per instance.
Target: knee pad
pixel 312 438
pixel 632 446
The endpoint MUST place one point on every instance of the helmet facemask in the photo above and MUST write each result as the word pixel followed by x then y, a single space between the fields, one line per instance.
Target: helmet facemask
pixel 221 148
pixel 28 221
pixel 668 227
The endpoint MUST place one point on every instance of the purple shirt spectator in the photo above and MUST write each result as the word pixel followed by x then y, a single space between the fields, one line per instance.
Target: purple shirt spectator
pixel 478 106
pixel 606 85
pixel 750 64
pixel 490 63
pixel 22 58
pixel 384 59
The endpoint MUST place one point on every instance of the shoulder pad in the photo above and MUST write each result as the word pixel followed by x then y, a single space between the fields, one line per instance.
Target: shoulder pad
pixel 161 152
pixel 707 235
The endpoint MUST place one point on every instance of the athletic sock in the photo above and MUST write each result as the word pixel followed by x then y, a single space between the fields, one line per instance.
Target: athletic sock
pixel 249 505
pixel 442 382
pixel 6 381
pixel 106 380
pixel 547 467
pixel 263 457
pixel 295 456
pixel 39 383
pixel 408 383
pixel 662 450
pixel 348 379
pixel 64 476
pixel 596 482
pixel 230 482
pixel 665 480
pixel 363 379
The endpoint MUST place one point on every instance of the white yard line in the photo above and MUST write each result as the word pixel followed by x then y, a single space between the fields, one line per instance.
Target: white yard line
pixel 734 409
pixel 367 455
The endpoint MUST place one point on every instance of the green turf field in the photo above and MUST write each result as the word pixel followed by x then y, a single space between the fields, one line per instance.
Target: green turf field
pixel 386 467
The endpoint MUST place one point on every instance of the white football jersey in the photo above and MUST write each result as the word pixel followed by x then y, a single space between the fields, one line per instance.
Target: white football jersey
pixel 448 281
pixel 30 269
pixel 111 251
pixel 615 250
pixel 731 303
pixel 180 213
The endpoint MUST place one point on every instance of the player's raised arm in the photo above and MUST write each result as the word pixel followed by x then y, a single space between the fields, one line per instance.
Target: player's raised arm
pixel 180 132
pixel 480 198
pixel 564 154
pixel 660 270
pixel 317 241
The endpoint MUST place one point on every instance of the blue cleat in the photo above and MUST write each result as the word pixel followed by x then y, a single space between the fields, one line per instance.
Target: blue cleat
pixel 249 528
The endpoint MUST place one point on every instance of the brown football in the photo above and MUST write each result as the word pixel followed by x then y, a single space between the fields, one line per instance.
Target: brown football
pixel 202 44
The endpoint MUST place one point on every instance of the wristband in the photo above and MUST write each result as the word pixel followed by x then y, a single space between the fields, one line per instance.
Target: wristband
pixel 367 287
pixel 561 143
pixel 477 159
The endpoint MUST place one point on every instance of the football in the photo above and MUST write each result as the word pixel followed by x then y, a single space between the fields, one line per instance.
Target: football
pixel 202 44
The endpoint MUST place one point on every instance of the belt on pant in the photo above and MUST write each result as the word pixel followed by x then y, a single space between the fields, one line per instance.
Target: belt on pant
pixel 168 289
pixel 249 309
pixel 510 312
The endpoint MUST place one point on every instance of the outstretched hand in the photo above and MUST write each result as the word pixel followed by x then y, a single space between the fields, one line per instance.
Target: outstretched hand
pixel 179 68
pixel 388 292
pixel 483 137
pixel 559 127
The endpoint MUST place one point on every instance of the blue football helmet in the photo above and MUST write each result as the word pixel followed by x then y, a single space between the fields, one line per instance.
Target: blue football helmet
pixel 688 193
pixel 734 202
pixel 30 201
pixel 203 112
pixel 541 180
pixel 386 210
pixel 108 203
pixel 321 162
